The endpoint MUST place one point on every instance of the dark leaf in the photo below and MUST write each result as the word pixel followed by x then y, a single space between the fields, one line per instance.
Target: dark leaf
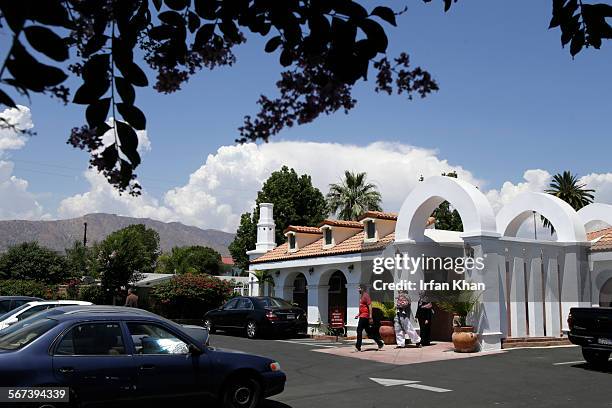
pixel 376 34
pixel 46 41
pixel 206 8
pixel 172 18
pixel 133 116
pixel 577 43
pixel 30 73
pixel 95 44
pixel 177 4
pixel 157 4
pixel 385 13
pixel 273 43
pixel 193 21
pixel 6 100
pixel 110 155
pixel 132 72
pixel 128 141
pixel 14 12
pixel 50 12
pixel 97 112
pixel 162 32
pixel 125 90
pixel 96 68
pixel 229 29
pixel 286 57
pixel 91 91
pixel 102 128
pixel 204 35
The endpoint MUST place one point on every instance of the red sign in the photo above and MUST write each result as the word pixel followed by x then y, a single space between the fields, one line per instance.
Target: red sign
pixel 336 320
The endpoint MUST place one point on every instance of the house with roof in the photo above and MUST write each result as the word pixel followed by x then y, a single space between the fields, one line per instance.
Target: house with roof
pixel 528 285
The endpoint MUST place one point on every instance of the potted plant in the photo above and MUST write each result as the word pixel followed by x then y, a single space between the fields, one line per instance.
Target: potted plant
pixel 384 313
pixel 461 303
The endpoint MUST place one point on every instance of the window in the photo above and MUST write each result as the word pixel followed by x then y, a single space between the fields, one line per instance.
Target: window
pixel 15 338
pixel 244 304
pixel 231 304
pixel 328 236
pixel 335 284
pixel 299 285
pixel 291 241
pixel 92 339
pixel 5 306
pixel 150 338
pixel 275 302
pixel 33 310
pixel 370 230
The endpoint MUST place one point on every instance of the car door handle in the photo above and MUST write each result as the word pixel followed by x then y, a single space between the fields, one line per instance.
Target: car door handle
pixel 66 370
pixel 147 367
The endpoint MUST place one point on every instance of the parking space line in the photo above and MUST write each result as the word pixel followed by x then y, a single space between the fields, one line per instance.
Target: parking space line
pixel 569 362
pixel 307 344
pixel 427 388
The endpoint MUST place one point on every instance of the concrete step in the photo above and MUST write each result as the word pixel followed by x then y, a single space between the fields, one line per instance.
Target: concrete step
pixel 513 342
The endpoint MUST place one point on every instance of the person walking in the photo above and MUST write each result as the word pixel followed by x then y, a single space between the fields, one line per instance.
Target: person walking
pixel 132 299
pixel 424 315
pixel 365 320
pixel 402 322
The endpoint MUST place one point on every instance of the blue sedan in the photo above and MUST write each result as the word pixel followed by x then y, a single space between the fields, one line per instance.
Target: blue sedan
pixel 111 354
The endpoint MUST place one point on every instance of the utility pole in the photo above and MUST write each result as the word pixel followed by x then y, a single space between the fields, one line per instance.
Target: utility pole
pixel 85 234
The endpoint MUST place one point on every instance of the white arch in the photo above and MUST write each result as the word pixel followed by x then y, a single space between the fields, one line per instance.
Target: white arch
pixel 475 210
pixel 566 221
pixel 595 212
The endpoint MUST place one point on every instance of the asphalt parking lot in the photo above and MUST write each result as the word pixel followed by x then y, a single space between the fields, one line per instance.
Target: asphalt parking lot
pixel 552 377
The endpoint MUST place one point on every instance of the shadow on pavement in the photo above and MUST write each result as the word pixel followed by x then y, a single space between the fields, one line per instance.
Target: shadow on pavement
pixel 587 367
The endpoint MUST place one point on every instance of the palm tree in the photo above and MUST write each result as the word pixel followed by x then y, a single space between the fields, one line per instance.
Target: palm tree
pixel 353 196
pixel 567 187
pixel 263 277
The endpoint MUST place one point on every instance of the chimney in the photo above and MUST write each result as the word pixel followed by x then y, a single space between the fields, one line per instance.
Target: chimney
pixel 266 228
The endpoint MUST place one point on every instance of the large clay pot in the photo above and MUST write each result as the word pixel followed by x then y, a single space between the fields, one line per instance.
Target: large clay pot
pixel 464 339
pixel 387 332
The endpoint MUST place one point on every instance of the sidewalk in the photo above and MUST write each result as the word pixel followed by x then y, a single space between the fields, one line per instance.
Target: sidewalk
pixel 438 351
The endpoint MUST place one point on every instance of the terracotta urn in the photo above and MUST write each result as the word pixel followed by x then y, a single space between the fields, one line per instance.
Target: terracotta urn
pixel 464 339
pixel 387 332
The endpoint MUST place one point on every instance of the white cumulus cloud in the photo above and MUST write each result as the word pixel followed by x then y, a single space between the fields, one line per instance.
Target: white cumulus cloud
pixel 16 202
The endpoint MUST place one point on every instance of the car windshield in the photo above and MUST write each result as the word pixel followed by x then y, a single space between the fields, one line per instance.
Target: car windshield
pixel 275 302
pixel 11 312
pixel 24 335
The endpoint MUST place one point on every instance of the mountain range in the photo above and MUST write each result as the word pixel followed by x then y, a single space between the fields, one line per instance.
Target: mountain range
pixel 61 234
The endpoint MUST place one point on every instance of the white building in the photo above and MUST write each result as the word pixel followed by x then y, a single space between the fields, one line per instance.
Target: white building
pixel 530 284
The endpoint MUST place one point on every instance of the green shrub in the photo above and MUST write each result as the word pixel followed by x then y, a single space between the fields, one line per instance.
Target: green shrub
pixel 386 310
pixel 92 293
pixel 190 296
pixel 20 287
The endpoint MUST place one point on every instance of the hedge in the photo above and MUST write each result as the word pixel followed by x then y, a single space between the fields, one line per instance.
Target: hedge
pixel 190 296
pixel 17 287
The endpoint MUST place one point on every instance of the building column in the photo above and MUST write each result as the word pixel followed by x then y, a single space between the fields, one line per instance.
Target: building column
pixel 518 311
pixel 285 292
pixel 352 308
pixel 317 304
pixel 535 298
pixel 551 300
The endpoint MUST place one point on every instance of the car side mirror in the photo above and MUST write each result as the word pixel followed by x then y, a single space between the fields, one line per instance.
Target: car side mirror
pixel 194 350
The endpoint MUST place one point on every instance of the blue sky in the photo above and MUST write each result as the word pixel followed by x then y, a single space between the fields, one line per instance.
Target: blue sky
pixel 510 99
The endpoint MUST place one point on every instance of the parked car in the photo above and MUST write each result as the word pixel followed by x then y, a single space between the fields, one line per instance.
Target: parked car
pixel 8 303
pixel 28 309
pixel 591 328
pixel 257 315
pixel 108 354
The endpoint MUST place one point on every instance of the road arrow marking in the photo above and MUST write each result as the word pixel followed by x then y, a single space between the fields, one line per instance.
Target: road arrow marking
pixel 427 388
pixel 387 382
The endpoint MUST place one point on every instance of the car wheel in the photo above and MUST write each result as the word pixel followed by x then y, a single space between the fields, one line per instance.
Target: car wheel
pixel 596 357
pixel 251 329
pixel 209 325
pixel 241 392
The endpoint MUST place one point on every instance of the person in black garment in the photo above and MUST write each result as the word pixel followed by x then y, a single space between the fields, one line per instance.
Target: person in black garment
pixel 424 315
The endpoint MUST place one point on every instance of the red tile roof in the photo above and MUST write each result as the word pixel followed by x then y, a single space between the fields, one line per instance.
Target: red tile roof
pixel 227 260
pixel 305 230
pixel 379 214
pixel 354 244
pixel 342 223
pixel 602 239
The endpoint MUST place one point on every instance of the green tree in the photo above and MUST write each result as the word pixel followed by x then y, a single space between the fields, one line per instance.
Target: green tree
pixel 125 254
pixel 447 219
pixel 296 202
pixel 192 259
pixel 567 187
pixel 353 196
pixel 81 260
pixel 30 261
